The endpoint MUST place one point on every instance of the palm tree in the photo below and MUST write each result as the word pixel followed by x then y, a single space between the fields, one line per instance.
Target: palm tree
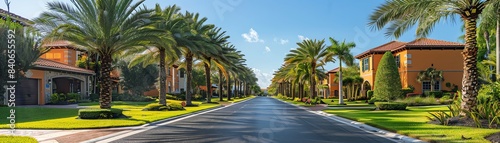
pixel 401 15
pixel 192 45
pixel 106 27
pixel 312 52
pixel 169 23
pixel 490 18
pixel 343 52
pixel 217 39
pixel 432 75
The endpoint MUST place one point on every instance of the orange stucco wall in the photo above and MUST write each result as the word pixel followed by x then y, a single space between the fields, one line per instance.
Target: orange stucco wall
pixel 413 61
pixel 448 61
pixel 333 86
pixel 66 56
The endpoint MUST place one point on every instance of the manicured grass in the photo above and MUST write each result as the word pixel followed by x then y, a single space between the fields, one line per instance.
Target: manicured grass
pixel 17 139
pixel 233 100
pixel 56 118
pixel 413 123
pixel 335 103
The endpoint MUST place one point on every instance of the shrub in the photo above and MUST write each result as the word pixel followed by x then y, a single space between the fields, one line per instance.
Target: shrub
pixel 422 101
pixel 54 98
pixel 133 98
pixel 442 117
pixel 436 94
pixel 73 96
pixel 99 113
pixel 297 100
pixel 175 107
pixel 387 80
pixel 405 91
pixel 94 97
pixel 373 100
pixel 155 107
pixel 390 105
pixel 369 94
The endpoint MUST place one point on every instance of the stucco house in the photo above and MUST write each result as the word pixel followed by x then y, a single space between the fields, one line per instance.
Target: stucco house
pixel 413 57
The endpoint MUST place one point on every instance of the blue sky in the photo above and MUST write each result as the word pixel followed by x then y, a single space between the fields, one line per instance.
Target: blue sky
pixel 266 30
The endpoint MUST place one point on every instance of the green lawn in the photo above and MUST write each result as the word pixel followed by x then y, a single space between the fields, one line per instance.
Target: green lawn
pixel 17 139
pixel 413 123
pixel 56 118
pixel 335 103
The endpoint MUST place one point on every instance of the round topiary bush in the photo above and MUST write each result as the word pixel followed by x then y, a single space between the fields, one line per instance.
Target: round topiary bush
pixel 390 105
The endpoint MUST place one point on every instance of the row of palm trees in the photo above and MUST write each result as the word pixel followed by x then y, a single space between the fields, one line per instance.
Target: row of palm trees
pixel 304 66
pixel 113 29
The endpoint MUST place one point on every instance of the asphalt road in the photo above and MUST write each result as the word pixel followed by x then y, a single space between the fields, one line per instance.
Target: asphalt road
pixel 261 119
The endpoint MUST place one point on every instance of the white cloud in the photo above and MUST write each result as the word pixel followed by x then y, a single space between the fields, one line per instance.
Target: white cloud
pixel 252 36
pixel 268 49
pixel 264 78
pixel 283 41
pixel 302 38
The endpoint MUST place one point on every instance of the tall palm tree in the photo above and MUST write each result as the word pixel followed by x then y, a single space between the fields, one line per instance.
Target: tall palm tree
pixel 106 27
pixel 491 18
pixel 169 23
pixel 401 15
pixel 432 75
pixel 217 39
pixel 192 45
pixel 312 52
pixel 343 52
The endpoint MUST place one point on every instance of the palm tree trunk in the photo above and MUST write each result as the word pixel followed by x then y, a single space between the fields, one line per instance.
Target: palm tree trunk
pixel 235 87
pixel 469 83
pixel 163 78
pixel 497 36
pixel 313 81
pixel 228 89
pixel 293 91
pixel 106 82
pixel 341 99
pixel 189 71
pixel 209 83
pixel 220 86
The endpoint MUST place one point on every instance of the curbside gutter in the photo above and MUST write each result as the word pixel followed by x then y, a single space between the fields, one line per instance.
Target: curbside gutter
pixel 148 126
pixel 367 128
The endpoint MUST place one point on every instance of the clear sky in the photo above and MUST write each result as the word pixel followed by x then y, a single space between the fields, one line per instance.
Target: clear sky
pixel 265 30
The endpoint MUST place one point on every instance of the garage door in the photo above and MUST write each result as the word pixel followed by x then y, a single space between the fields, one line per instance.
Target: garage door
pixel 27 92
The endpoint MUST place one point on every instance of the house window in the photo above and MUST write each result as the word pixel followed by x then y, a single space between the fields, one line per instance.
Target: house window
pixel 181 74
pixel 366 64
pixel 426 85
pixel 397 60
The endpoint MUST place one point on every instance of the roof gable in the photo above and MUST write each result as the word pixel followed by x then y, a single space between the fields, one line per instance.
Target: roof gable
pixel 53 65
pixel 418 43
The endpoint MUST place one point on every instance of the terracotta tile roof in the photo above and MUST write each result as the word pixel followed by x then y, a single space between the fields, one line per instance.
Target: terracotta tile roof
pixel 383 48
pixel 432 42
pixel 334 70
pixel 20 19
pixel 418 43
pixel 61 44
pixel 53 65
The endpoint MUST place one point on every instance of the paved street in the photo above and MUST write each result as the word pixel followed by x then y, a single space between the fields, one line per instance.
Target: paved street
pixel 261 119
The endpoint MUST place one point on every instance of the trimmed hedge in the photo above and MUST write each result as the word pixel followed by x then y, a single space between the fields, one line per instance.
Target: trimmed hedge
pixel 369 94
pixel 436 94
pixel 99 113
pixel 390 105
pixel 159 107
pixel 373 100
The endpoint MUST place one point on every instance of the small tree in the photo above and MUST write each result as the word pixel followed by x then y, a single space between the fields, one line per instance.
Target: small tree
pixel 138 79
pixel 387 80
pixel 432 75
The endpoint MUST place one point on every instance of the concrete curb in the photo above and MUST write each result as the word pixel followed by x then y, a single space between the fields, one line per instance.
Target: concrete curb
pixel 376 131
pixel 145 127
